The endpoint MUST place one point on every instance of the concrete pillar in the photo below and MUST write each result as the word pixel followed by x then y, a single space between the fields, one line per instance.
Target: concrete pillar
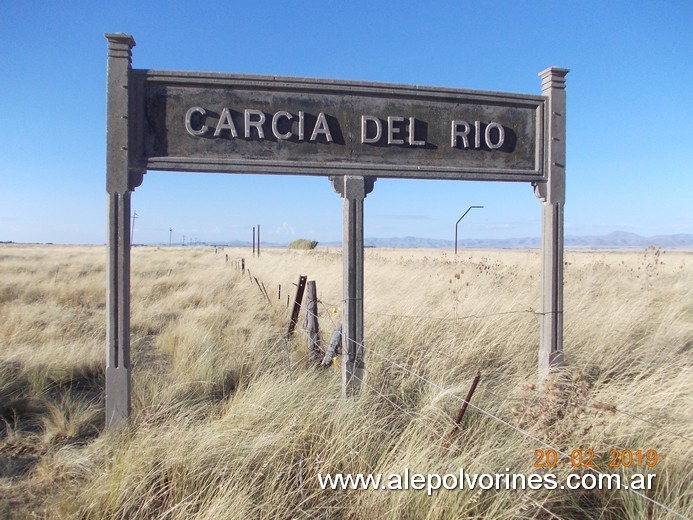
pixel 552 196
pixel 121 179
pixel 118 310
pixel 353 190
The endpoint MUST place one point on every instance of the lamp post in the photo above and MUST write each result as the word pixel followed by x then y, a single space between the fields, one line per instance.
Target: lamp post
pixel 132 230
pixel 458 221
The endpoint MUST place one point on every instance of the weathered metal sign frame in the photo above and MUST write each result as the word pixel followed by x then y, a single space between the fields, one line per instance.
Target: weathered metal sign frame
pixel 353 132
pixel 229 123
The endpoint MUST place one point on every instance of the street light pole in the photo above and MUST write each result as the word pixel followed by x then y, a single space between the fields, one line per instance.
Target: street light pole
pixel 458 221
pixel 132 231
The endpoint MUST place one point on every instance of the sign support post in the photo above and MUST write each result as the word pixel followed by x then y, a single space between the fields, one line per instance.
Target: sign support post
pixel 121 179
pixel 552 196
pixel 353 190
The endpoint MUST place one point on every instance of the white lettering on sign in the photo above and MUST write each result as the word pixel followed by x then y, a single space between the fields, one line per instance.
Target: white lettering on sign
pixel 392 130
pixel 188 121
pixel 275 121
pixel 501 135
pixel 254 122
pixel 321 127
pixel 459 132
pixel 395 126
pixel 257 123
pixel 225 123
pixel 412 130
pixel 364 129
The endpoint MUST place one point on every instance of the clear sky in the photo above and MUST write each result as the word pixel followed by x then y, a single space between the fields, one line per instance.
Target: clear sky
pixel 629 112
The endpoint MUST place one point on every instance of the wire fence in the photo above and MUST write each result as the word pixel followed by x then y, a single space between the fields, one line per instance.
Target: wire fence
pixel 612 408
pixel 491 415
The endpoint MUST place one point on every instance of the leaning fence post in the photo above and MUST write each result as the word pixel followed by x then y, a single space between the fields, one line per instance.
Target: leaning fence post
pixel 466 401
pixel 312 324
pixel 297 305
pixel 334 348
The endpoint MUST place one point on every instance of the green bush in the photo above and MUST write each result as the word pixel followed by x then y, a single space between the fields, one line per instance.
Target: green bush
pixel 303 243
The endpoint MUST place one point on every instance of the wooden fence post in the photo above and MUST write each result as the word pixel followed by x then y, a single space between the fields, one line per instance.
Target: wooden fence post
pixel 312 324
pixel 334 348
pixel 297 305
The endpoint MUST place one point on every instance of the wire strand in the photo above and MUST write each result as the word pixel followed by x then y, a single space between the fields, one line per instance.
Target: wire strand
pixel 491 415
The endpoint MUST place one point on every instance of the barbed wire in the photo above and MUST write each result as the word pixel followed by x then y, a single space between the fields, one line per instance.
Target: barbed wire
pixel 493 416
pixel 453 318
pixel 481 316
pixel 529 311
pixel 509 425
pixel 596 405
pixel 437 434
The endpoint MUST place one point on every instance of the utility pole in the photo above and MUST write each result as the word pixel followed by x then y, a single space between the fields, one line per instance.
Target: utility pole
pixel 258 240
pixel 458 221
pixel 170 236
pixel 132 230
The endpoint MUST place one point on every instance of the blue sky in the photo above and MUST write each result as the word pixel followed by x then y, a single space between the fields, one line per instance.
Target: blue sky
pixel 629 112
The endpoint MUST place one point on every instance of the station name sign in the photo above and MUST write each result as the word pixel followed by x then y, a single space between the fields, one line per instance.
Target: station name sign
pixel 264 124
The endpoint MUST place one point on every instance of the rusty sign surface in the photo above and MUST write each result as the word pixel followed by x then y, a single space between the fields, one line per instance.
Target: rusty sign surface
pixel 193 121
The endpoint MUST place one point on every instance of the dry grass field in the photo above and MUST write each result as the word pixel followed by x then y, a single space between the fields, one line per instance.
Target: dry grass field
pixel 230 422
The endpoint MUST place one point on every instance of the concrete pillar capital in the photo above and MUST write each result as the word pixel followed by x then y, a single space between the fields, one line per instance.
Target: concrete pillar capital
pixel 353 186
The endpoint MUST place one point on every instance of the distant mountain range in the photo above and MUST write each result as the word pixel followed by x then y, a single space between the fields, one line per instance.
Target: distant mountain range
pixel 617 239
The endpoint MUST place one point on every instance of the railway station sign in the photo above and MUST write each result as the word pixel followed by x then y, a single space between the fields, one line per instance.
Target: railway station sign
pixel 266 124
pixel 353 132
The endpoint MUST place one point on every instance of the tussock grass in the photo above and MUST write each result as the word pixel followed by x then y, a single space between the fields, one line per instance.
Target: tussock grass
pixel 229 422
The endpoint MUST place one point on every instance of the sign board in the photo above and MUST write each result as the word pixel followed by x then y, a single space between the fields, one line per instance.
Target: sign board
pixel 264 124
pixel 351 131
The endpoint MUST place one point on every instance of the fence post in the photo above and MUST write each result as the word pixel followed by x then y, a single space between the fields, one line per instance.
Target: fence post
pixel 313 326
pixel 297 305
pixel 334 348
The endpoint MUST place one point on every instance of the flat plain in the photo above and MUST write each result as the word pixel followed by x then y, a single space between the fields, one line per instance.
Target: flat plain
pixel 229 421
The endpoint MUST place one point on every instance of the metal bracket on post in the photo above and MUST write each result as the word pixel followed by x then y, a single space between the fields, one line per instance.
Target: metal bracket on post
pixel 353 190
pixel 122 177
pixel 552 195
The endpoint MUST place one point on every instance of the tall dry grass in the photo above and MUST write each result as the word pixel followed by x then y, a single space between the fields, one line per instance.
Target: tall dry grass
pixel 228 422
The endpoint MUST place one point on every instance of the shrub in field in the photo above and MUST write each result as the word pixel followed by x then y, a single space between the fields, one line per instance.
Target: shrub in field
pixel 303 243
